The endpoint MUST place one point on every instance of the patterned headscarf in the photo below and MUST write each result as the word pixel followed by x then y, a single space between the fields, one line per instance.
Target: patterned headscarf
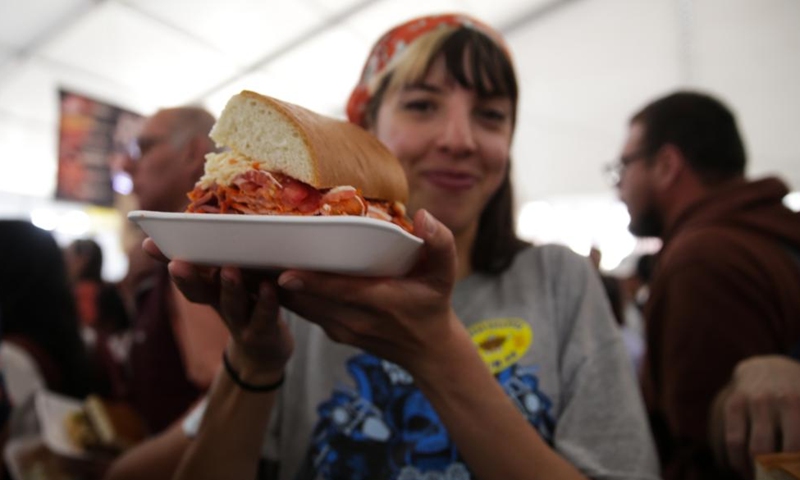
pixel 395 41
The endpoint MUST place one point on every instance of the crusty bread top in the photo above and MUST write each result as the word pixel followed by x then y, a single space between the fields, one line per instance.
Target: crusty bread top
pixel 321 151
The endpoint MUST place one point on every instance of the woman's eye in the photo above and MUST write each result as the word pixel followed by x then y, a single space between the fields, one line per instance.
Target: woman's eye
pixel 420 105
pixel 493 114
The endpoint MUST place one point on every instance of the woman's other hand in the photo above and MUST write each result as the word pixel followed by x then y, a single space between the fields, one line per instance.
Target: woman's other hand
pixel 406 320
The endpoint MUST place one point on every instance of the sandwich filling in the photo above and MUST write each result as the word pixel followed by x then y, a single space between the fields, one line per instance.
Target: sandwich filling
pixel 235 184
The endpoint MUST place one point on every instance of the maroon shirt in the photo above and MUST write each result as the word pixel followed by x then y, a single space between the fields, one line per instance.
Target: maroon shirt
pixel 725 288
pixel 160 388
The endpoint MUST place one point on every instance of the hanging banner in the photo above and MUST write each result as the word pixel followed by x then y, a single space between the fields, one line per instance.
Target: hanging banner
pixel 93 136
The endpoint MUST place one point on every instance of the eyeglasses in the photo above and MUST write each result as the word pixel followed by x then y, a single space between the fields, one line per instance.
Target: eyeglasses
pixel 138 148
pixel 614 170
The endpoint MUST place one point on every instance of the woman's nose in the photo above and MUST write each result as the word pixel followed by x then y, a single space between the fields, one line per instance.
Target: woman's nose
pixel 457 135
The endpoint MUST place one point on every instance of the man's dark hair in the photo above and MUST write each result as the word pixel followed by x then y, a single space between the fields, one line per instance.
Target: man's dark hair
pixel 702 127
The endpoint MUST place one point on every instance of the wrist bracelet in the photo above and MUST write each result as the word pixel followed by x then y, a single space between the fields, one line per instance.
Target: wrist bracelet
pixel 249 386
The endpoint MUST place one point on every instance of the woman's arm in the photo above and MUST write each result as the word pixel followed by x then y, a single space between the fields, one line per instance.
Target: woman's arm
pixel 201 336
pixel 491 434
pixel 155 459
pixel 228 442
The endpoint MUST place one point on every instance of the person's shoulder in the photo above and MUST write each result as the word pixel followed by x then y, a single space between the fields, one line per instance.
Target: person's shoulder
pixel 547 251
pixel 562 255
pixel 712 244
pixel 554 261
pixel 700 236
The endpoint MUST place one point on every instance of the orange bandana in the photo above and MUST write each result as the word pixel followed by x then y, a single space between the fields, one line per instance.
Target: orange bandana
pixel 395 41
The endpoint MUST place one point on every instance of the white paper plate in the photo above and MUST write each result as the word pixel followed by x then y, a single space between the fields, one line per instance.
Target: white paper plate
pixel 339 244
pixel 52 410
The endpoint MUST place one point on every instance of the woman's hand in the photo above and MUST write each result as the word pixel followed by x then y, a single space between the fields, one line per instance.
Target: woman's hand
pixel 248 303
pixel 406 320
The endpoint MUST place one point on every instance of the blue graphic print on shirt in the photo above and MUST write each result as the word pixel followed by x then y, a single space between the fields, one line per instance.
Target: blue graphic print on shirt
pixel 385 428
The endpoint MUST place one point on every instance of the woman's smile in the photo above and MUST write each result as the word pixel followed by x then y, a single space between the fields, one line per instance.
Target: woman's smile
pixel 450 179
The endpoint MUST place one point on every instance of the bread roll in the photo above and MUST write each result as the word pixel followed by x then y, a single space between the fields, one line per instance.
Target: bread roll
pixel 321 151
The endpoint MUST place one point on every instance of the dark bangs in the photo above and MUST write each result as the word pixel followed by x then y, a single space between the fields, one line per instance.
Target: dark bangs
pixel 476 62
pixel 473 59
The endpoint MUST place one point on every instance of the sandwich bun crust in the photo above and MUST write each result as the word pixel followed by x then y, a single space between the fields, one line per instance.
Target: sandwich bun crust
pixel 321 151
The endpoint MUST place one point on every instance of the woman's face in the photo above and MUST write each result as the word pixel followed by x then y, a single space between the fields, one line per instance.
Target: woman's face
pixel 453 145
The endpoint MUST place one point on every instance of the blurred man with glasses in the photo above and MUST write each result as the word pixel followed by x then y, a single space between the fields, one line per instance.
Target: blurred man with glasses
pixel 177 345
pixel 726 287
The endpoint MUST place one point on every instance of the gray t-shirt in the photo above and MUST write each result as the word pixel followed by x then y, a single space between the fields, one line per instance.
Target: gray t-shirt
pixel 545 330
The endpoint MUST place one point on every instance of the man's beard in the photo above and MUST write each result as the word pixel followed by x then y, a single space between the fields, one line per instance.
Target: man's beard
pixel 649 224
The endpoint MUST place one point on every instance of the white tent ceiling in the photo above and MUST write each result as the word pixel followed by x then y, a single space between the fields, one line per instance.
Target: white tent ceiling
pixel 584 67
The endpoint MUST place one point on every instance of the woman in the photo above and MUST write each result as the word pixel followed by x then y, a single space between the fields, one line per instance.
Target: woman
pixel 41 337
pixel 492 358
pixel 100 306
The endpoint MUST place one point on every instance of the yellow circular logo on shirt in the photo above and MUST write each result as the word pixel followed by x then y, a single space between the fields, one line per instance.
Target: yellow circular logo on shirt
pixel 501 342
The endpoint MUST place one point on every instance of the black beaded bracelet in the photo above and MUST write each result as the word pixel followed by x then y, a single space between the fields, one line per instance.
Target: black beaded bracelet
pixel 249 386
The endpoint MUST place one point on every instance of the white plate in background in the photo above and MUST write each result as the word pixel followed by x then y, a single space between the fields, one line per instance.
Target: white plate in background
pixel 338 244
pixel 21 455
pixel 52 410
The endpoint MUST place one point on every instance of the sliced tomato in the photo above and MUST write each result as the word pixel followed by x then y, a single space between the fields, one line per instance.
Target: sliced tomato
pixel 294 193
pixel 299 196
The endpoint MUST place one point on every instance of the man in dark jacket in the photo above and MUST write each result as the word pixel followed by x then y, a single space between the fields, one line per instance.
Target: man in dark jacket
pixel 726 286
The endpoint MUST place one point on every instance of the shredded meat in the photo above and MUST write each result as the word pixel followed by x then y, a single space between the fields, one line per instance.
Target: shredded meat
pixel 262 193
